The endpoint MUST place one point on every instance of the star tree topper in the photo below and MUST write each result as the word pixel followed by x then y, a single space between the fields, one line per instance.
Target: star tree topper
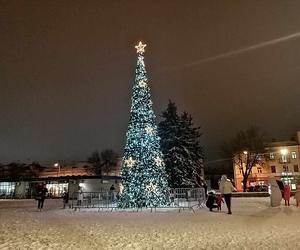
pixel 140 48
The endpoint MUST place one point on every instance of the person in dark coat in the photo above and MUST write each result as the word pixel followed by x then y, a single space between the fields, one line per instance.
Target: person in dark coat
pixel 41 196
pixel 211 201
pixel 65 197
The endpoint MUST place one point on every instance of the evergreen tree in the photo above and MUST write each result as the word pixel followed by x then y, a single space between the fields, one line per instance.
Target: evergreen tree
pixel 170 141
pixel 183 154
pixel 144 181
pixel 192 152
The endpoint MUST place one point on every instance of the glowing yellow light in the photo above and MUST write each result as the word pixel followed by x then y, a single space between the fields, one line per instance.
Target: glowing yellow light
pixel 140 48
pixel 130 162
pixel 151 188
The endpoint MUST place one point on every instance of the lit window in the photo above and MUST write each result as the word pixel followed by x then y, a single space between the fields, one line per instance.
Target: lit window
pixel 294 155
pixel 7 189
pixel 272 156
pixel 283 158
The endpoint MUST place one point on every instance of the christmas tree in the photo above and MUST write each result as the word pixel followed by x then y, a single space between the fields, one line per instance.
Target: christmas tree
pixel 144 181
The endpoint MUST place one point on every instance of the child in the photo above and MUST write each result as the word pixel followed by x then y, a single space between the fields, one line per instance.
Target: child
pixel 297 196
pixel 286 194
pixel 219 201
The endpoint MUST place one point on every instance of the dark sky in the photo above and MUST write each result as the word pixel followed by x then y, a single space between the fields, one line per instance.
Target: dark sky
pixel 67 69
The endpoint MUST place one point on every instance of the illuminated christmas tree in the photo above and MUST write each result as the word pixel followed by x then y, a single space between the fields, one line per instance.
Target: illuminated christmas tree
pixel 144 181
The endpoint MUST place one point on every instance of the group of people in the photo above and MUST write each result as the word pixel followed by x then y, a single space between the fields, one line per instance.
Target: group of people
pixel 42 192
pixel 226 188
pixel 215 200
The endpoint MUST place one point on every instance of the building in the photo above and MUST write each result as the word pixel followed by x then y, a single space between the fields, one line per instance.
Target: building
pixel 20 180
pixel 280 159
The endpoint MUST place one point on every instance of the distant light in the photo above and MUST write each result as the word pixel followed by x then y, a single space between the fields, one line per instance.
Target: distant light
pixel 56 164
pixel 245 152
pixel 284 151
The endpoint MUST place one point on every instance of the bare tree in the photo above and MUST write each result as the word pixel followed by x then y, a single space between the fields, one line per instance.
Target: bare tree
pixel 103 162
pixel 246 150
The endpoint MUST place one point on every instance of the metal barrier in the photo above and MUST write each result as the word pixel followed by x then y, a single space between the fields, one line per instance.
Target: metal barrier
pixel 180 198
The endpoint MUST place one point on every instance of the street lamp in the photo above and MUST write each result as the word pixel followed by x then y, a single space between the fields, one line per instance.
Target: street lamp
pixel 245 152
pixel 284 151
pixel 57 165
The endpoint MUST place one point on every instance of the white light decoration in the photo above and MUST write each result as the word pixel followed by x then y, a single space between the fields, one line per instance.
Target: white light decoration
pixel 140 48
pixel 151 188
pixel 129 162
pixel 149 130
pixel 142 152
pixel 142 84
pixel 158 161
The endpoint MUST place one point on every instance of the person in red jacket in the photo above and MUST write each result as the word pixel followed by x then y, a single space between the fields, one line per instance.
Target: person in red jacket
pixel 286 194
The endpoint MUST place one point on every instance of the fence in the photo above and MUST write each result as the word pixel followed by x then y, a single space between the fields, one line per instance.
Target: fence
pixel 181 198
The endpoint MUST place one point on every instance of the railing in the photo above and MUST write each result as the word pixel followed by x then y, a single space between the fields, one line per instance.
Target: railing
pixel 179 198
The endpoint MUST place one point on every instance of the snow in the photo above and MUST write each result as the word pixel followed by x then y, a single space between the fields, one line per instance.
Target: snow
pixel 253 225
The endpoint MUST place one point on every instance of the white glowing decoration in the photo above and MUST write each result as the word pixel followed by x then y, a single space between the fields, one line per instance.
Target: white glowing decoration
pixel 140 48
pixel 142 84
pixel 158 161
pixel 149 130
pixel 151 188
pixel 130 162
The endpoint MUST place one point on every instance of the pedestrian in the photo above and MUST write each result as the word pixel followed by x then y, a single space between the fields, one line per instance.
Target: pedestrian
pixel 41 196
pixel 112 192
pixel 226 189
pixel 219 201
pixel 80 198
pixel 211 201
pixel 297 196
pixel 286 194
pixel 205 189
pixel 65 197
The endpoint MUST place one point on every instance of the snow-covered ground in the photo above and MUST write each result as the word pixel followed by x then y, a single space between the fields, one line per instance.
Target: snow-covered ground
pixel 253 225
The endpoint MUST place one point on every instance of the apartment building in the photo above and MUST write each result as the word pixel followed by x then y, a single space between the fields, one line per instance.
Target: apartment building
pixel 281 159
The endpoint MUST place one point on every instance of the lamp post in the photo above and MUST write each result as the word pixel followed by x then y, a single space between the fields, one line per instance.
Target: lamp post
pixel 57 165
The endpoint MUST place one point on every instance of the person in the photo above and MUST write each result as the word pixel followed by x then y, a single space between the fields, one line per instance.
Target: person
pixel 205 189
pixel 219 201
pixel 41 196
pixel 286 194
pixel 65 197
pixel 226 188
pixel 112 192
pixel 211 201
pixel 297 196
pixel 80 198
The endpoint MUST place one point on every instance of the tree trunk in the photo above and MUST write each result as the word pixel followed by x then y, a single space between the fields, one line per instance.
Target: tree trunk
pixel 245 184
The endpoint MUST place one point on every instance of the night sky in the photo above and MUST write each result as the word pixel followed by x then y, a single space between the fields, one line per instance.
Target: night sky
pixel 67 69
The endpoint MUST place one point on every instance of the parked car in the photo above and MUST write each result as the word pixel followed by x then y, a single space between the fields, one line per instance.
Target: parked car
pixel 258 188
